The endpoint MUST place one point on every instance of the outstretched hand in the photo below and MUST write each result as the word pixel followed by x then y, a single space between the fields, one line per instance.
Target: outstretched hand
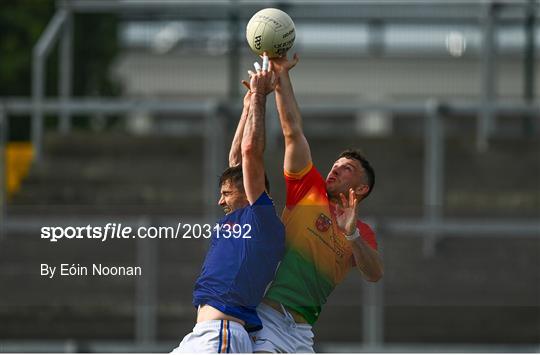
pixel 347 211
pixel 284 64
pixel 263 81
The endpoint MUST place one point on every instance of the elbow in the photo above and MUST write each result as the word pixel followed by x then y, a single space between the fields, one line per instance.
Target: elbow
pixel 251 150
pixel 234 161
pixel 375 276
pixel 293 134
pixel 235 156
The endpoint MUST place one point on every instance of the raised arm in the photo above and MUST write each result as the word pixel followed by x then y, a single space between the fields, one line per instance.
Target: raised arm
pixel 253 140
pixel 368 260
pixel 235 154
pixel 297 152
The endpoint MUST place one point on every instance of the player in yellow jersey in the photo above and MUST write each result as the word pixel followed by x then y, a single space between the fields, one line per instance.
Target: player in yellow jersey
pixel 324 238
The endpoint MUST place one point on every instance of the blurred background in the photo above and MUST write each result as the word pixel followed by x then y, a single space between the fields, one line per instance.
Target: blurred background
pixel 123 112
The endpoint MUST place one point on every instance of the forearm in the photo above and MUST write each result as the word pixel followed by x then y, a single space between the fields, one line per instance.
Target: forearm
pixel 253 140
pixel 235 154
pixel 368 260
pixel 289 113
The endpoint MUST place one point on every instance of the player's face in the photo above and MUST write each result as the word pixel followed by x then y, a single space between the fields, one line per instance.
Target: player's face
pixel 345 174
pixel 232 197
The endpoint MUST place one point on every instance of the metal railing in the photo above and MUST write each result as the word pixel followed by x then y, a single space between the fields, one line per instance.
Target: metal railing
pixel 3 173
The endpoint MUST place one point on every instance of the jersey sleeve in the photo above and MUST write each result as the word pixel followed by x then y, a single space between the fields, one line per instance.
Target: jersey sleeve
pixel 263 203
pixel 264 220
pixel 368 235
pixel 298 184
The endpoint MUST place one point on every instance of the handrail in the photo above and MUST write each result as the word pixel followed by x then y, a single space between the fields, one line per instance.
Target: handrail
pixel 39 57
pixel 24 105
pixel 3 175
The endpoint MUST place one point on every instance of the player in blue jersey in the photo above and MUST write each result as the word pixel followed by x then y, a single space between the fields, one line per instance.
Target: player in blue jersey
pixel 238 268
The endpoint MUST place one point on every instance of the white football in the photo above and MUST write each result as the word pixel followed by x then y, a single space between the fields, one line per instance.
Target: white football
pixel 270 30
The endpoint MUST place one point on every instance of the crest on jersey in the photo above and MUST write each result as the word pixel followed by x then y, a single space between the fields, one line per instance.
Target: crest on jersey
pixel 323 223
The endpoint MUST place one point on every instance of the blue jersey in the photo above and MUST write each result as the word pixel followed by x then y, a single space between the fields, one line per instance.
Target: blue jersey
pixel 237 271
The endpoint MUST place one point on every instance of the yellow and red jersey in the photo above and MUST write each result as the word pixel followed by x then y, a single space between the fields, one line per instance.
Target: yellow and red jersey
pixel 317 256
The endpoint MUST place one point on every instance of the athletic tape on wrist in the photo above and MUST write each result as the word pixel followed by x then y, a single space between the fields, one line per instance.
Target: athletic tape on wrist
pixel 353 236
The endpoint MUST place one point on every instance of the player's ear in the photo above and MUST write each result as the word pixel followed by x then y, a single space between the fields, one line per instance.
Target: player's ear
pixel 361 190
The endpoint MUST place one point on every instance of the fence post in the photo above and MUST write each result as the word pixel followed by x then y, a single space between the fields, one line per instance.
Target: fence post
pixel 489 77
pixel 39 56
pixel 373 315
pixel 214 158
pixel 65 69
pixel 529 69
pixel 433 173
pixel 3 170
pixel 146 289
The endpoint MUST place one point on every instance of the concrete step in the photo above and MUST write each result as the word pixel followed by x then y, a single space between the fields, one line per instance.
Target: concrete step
pixel 113 145
pixel 105 193
pixel 156 170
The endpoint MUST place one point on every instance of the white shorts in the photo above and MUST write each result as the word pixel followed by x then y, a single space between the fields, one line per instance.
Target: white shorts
pixel 216 336
pixel 280 333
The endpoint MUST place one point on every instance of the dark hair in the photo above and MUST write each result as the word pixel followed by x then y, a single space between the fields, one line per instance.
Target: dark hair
pixel 370 173
pixel 235 175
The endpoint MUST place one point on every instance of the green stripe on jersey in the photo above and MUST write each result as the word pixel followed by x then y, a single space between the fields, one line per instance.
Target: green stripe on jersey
pixel 299 286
